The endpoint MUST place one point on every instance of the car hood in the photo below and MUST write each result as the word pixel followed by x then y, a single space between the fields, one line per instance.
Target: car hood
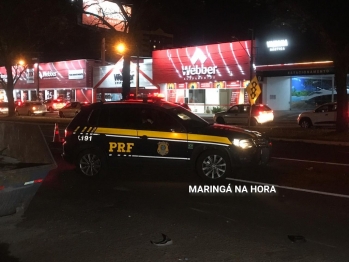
pixel 232 132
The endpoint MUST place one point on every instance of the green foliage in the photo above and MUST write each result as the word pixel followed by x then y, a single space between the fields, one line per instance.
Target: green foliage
pixel 217 109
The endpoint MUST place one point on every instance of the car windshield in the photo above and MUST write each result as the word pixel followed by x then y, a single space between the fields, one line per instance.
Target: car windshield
pixel 188 119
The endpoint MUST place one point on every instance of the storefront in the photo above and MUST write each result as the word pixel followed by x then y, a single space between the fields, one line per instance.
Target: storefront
pixel 68 80
pixel 107 80
pixel 295 74
pixel 204 76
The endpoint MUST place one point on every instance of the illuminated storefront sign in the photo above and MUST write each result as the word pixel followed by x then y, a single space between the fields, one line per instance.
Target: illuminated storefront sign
pixel 218 62
pixel 76 74
pixel 277 45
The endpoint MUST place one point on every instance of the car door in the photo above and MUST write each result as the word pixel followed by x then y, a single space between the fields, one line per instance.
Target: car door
pixel 231 116
pixel 162 136
pixel 325 115
pixel 72 109
pixel 115 133
pixel 244 113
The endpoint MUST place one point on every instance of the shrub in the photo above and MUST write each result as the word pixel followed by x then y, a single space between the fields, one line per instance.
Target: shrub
pixel 217 109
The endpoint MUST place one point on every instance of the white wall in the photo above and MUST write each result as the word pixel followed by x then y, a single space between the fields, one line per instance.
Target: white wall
pixel 277 92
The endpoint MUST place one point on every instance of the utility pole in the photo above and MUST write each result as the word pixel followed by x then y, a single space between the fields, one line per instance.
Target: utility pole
pixel 251 56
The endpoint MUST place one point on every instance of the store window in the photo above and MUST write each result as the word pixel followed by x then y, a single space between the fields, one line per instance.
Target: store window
pixel 197 96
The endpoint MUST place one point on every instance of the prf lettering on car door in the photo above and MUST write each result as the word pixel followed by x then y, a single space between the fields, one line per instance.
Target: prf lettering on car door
pixel 120 147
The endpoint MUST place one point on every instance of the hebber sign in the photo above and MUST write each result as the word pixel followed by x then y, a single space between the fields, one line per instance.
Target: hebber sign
pixel 253 90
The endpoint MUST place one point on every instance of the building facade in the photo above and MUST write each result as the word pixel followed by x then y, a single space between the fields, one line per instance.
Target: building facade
pixel 68 80
pixel 204 76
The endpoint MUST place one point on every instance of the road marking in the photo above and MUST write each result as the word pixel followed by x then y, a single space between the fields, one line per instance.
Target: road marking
pixel 310 161
pixel 291 188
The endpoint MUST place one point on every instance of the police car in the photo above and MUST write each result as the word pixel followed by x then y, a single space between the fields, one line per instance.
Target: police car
pixel 103 135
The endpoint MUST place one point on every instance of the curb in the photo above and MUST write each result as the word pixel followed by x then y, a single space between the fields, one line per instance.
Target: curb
pixel 333 143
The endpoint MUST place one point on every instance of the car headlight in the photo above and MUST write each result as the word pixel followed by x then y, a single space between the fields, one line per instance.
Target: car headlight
pixel 243 143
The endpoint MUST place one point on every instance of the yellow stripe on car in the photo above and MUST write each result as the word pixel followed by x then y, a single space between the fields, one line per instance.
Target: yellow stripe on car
pixel 116 131
pixel 210 139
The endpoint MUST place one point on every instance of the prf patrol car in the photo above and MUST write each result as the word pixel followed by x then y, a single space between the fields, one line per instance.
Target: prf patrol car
pixel 104 134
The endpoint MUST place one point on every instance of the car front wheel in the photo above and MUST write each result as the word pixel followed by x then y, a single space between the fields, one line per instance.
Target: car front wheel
pixel 305 123
pixel 91 163
pixel 220 120
pixel 213 165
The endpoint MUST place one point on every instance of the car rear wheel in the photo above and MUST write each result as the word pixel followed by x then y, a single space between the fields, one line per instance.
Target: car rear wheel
pixel 213 165
pixel 220 120
pixel 29 113
pixel 61 114
pixel 91 163
pixel 305 123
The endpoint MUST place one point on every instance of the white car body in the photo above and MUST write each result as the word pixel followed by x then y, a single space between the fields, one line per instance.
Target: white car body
pixel 30 108
pixel 71 109
pixel 324 115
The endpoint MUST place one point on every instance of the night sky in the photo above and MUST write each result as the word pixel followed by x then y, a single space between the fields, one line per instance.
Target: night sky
pixel 200 22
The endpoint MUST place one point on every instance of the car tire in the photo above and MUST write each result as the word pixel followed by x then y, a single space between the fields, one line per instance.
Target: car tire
pixel 17 113
pixel 61 115
pixel 305 123
pixel 29 113
pixel 43 114
pixel 220 120
pixel 91 163
pixel 50 109
pixel 213 165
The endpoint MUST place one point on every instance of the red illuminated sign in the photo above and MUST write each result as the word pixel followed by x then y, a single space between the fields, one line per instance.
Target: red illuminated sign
pixel 227 61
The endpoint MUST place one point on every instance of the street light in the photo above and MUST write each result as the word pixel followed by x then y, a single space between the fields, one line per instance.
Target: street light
pixel 122 49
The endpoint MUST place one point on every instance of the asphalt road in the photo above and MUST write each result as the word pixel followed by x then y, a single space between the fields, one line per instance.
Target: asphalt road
pixel 303 216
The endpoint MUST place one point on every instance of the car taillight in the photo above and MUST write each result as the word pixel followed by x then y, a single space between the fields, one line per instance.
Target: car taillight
pixel 67 133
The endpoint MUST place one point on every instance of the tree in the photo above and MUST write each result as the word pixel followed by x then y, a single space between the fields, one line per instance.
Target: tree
pixel 26 27
pixel 329 23
pixel 99 17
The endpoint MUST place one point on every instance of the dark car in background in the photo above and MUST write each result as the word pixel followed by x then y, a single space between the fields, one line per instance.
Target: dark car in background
pixel 54 104
pixel 240 114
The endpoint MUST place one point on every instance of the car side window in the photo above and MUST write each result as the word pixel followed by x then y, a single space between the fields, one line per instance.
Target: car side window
pixel 156 120
pixel 333 108
pixel 124 117
pixel 234 109
pixel 322 109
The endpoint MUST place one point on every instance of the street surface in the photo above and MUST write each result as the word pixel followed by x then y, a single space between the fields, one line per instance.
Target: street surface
pixel 303 216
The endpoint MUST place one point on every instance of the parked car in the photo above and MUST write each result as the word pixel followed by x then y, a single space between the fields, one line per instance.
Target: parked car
pixel 71 109
pixel 324 115
pixel 3 108
pixel 103 135
pixel 240 113
pixel 30 108
pixel 54 104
